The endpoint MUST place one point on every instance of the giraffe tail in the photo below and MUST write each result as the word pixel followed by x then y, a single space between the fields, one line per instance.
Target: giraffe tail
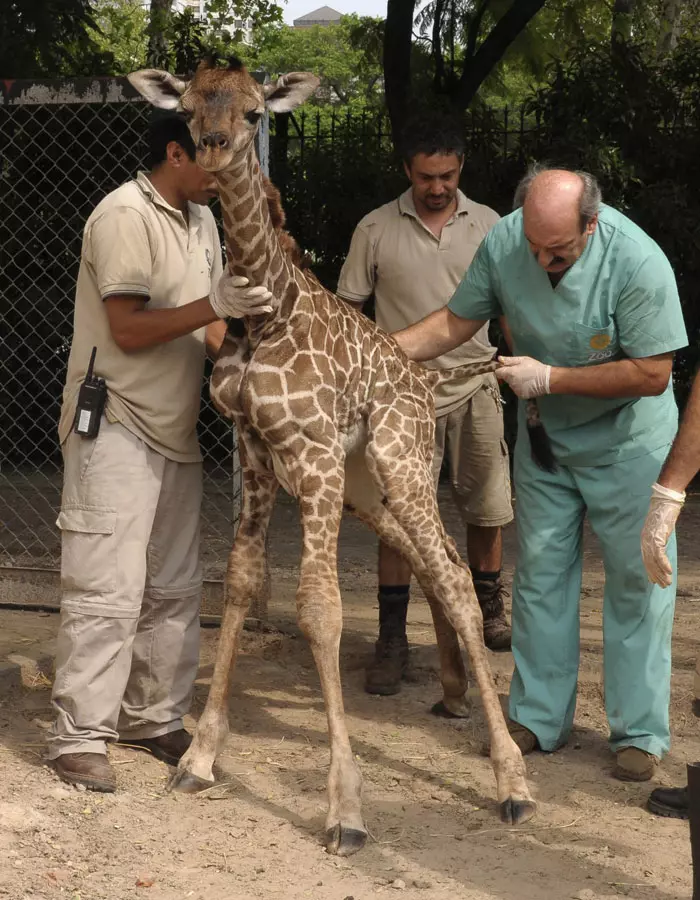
pixel 540 445
pixel 444 376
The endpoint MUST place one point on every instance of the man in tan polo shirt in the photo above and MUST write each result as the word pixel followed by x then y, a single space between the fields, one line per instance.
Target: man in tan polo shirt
pixel 150 297
pixel 411 254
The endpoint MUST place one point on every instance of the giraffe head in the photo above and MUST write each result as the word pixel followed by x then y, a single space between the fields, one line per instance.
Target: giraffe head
pixel 223 106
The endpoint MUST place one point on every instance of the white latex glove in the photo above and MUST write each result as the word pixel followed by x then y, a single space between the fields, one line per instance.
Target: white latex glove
pixel 664 509
pixel 527 377
pixel 232 297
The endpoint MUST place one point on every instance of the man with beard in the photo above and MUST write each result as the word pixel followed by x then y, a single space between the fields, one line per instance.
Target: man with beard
pixel 411 254
pixel 594 315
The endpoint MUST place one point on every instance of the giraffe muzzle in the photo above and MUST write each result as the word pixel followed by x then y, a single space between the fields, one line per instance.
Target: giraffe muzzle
pixel 215 140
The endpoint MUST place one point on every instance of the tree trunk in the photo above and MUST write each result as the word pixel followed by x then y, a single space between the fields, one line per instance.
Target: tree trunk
pixel 669 26
pixel 398 33
pixel 492 50
pixel 621 32
pixel 157 55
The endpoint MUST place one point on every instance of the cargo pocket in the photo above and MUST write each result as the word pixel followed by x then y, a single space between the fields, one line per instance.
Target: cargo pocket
pixel 88 549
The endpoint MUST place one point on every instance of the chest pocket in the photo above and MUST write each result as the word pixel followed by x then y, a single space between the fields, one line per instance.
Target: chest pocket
pixel 592 346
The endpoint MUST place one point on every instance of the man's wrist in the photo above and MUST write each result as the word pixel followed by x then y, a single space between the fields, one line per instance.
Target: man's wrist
pixel 557 374
pixel 673 486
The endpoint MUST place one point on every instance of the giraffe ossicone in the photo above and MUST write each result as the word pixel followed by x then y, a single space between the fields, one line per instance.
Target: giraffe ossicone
pixel 328 406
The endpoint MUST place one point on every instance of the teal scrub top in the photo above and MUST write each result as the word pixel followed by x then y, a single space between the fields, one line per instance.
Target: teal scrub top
pixel 619 300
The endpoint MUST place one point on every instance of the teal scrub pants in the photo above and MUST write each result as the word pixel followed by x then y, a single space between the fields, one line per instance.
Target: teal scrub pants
pixel 637 615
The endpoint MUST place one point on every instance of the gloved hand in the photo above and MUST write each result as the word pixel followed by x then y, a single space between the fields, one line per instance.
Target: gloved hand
pixel 527 377
pixel 658 527
pixel 232 297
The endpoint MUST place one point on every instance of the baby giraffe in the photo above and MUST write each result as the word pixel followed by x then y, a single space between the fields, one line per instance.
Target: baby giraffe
pixel 328 406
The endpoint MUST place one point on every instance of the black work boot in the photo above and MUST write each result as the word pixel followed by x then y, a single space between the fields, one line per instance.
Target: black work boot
pixel 490 593
pixel 383 676
pixel 694 816
pixel 672 803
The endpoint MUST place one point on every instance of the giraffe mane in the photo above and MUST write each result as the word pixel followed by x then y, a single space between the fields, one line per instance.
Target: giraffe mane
pixel 278 219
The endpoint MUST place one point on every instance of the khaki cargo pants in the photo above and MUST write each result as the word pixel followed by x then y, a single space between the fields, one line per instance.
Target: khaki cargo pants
pixel 128 642
pixel 478 458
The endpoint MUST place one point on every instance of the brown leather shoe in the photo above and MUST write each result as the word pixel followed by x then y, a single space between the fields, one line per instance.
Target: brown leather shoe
pixel 523 737
pixel 168 748
pixel 634 764
pixel 490 595
pixel 92 770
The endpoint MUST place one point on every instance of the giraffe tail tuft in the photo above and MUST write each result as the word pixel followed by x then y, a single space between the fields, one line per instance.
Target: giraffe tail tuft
pixel 540 445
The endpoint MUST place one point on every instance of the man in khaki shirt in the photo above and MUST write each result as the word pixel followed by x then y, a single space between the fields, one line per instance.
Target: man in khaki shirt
pixel 411 254
pixel 150 296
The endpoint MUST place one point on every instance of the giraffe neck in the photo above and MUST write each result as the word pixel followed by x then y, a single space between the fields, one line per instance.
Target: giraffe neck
pixel 253 247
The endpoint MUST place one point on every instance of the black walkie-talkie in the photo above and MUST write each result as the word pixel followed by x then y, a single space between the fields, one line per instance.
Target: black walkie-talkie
pixel 91 402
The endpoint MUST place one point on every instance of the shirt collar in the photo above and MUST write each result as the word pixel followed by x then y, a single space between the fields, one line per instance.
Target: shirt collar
pixel 149 191
pixel 408 208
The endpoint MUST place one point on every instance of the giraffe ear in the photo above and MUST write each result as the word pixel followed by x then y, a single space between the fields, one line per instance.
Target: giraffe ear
pixel 290 91
pixel 160 88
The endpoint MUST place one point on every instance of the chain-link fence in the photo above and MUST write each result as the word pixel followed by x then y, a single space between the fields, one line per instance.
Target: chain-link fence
pixel 63 146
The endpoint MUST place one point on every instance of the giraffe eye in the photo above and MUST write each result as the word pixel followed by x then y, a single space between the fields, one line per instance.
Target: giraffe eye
pixel 253 117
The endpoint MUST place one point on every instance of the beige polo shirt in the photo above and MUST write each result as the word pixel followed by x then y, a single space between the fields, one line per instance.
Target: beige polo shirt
pixel 412 273
pixel 136 243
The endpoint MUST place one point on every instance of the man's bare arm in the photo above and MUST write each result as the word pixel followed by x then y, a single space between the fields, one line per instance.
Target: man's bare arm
pixel 214 338
pixel 683 461
pixel 135 327
pixel 438 333
pixel 645 377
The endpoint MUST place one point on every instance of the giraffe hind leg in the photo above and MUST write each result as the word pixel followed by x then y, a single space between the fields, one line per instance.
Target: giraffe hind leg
pixel 363 496
pixel 417 513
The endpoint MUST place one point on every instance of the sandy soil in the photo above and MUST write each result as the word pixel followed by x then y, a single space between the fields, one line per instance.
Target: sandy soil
pixel 428 799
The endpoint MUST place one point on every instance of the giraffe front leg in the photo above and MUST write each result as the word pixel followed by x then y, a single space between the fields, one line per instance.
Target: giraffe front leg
pixel 244 580
pixel 321 620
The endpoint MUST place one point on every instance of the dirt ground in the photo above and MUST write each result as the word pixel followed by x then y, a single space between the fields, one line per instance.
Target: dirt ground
pixel 428 796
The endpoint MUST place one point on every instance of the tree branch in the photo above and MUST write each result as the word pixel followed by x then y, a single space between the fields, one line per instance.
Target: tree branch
pixel 474 27
pixel 493 48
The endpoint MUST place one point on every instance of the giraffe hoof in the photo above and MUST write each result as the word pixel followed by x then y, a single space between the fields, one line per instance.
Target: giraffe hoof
pixel 461 710
pixel 516 812
pixel 186 783
pixel 342 841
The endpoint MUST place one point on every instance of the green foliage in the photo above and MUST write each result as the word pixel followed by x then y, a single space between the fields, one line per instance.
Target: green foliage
pixel 121 31
pixel 221 36
pixel 347 58
pixel 43 38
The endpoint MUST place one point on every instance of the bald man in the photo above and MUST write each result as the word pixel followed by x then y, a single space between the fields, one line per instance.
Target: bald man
pixel 594 313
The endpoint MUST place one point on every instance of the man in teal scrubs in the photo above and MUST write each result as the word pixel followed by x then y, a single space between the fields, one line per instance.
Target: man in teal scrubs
pixel 594 315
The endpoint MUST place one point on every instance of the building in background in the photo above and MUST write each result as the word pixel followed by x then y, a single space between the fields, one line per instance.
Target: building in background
pixel 324 15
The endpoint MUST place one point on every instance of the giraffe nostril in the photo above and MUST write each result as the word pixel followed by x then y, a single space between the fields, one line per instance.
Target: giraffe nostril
pixel 215 140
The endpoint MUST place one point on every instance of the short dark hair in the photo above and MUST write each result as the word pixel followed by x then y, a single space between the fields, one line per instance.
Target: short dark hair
pixel 432 134
pixel 162 130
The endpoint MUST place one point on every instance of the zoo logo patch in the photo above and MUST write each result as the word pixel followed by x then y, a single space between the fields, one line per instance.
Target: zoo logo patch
pixel 599 341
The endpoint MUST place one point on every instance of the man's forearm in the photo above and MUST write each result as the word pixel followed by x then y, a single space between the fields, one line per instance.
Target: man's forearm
pixel 214 337
pixel 683 461
pixel 621 378
pixel 438 333
pixel 135 327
